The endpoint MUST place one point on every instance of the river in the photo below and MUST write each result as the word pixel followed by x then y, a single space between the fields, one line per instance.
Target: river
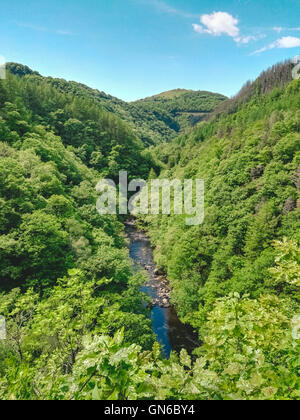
pixel 171 333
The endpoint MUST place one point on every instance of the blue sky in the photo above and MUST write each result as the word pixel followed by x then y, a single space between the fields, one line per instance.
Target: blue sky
pixel 136 48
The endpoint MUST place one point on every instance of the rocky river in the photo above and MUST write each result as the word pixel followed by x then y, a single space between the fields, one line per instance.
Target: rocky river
pixel 170 332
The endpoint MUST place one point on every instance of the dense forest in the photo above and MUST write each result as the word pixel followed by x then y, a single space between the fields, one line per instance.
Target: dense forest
pixel 174 112
pixel 156 119
pixel 78 325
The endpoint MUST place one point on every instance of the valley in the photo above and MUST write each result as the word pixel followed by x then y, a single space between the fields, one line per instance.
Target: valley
pixel 85 323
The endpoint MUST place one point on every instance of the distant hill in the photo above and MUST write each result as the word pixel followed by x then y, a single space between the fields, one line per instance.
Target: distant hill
pixel 154 119
pixel 170 94
pixel 175 111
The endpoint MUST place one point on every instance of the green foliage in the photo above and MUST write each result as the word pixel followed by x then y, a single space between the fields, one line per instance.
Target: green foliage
pixel 100 139
pixel 47 334
pixel 249 344
pixel 54 148
pixel 287 261
pixel 77 325
pixel 58 348
pixel 154 120
pixel 250 163
pixel 165 116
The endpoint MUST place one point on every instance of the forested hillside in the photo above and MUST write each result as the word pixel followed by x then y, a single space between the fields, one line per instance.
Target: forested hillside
pixel 174 112
pixel 77 323
pixel 99 138
pixel 154 120
pixel 65 270
pixel 250 161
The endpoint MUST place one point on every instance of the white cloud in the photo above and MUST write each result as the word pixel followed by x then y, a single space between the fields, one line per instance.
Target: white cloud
pixel 284 42
pixel 198 28
pixel 287 42
pixel 218 23
pixel 261 50
pixel 247 39
pixel 278 29
pixel 222 23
